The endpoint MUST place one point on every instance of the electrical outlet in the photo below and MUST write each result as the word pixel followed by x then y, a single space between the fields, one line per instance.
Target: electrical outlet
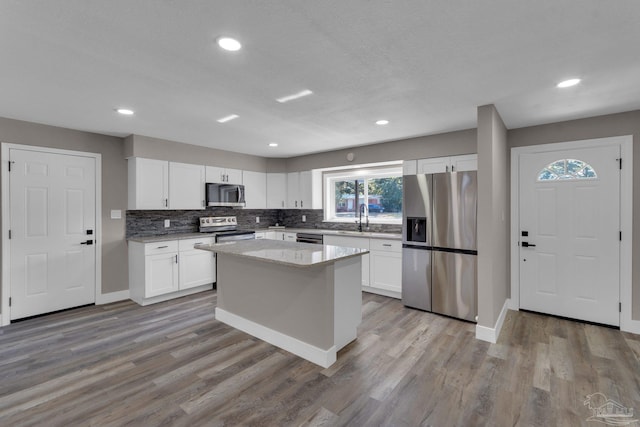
pixel 304 218
pixel 167 223
pixel 257 220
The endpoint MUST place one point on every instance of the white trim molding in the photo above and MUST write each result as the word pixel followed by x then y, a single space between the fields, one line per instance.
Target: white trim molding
pixel 112 297
pixel 625 142
pixel 324 358
pixel 491 335
pixel 6 243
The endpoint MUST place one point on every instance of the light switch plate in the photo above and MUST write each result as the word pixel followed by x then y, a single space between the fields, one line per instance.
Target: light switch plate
pixel 167 223
pixel 257 220
pixel 304 218
pixel 116 214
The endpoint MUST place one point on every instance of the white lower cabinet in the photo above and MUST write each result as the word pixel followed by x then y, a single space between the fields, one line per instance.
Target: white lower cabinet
pixel 161 274
pixel 196 267
pixel 381 267
pixel 290 237
pixel 352 242
pixel 386 267
pixel 160 271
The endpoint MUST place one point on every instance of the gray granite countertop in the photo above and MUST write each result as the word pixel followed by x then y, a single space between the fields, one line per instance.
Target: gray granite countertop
pixel 182 236
pixel 348 233
pixel 285 253
pixel 167 237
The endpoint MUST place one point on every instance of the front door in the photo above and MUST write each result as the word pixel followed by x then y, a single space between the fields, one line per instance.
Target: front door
pixel 569 204
pixel 53 217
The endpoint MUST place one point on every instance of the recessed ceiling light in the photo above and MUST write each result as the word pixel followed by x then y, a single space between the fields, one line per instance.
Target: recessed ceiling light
pixel 297 95
pixel 124 111
pixel 569 83
pixel 382 122
pixel 225 119
pixel 273 144
pixel 227 43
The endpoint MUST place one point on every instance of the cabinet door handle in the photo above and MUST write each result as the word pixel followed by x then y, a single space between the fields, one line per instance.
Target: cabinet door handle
pixel 301 204
pixel 386 244
pixel 176 258
pixel 203 205
pixel 296 204
pixel 162 247
pixel 451 168
pixel 166 203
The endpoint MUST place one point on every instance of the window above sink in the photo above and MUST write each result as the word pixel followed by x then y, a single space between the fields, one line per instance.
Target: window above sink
pixel 378 188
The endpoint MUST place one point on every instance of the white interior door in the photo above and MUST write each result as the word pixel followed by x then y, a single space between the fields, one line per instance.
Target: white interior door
pixel 52 209
pixel 569 207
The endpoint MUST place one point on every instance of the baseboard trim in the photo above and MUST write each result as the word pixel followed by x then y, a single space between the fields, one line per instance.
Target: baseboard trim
pixel 324 358
pixel 383 292
pixel 112 297
pixel 491 335
pixel 631 326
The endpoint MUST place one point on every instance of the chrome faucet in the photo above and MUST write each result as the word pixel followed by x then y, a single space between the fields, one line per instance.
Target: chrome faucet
pixel 363 208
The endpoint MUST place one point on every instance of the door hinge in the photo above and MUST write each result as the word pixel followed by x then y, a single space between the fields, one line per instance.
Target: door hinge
pixel 9 301
pixel 620 162
pixel 9 234
pixel 620 236
pixel 10 162
pixel 620 307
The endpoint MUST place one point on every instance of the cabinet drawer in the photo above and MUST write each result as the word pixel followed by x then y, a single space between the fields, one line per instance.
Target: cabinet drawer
pixel 386 245
pixel 349 242
pixel 161 247
pixel 187 244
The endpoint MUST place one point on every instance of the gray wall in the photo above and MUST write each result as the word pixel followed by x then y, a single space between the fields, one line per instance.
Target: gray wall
pixel 162 149
pixel 114 186
pixel 597 127
pixel 493 216
pixel 445 144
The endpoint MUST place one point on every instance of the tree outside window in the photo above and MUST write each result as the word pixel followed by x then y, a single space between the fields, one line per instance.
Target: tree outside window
pixel 379 190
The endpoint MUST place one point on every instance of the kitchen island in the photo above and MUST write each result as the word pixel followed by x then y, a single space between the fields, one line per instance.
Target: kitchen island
pixel 301 297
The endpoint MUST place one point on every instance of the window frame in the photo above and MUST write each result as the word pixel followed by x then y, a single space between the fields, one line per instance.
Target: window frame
pixel 568 176
pixel 330 177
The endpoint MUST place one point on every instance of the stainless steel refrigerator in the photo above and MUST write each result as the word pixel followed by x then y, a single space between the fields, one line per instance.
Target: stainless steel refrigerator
pixel 439 255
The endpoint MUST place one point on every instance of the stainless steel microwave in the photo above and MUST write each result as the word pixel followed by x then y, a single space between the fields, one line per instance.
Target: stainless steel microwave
pixel 224 194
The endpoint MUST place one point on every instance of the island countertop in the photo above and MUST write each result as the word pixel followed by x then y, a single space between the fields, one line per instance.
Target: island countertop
pixel 285 253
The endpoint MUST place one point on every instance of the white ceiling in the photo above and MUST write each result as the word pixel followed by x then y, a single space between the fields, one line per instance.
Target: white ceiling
pixel 425 65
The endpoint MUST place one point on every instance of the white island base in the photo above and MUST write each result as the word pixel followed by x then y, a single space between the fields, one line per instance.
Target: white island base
pixel 311 311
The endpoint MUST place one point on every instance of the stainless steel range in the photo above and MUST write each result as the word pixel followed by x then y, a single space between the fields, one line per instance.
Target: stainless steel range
pixel 225 228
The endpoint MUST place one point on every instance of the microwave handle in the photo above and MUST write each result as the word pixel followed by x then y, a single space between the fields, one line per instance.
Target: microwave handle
pixel 241 192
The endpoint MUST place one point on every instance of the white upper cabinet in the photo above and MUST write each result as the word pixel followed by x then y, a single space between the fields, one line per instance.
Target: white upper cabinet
pixel 409 167
pixel 304 190
pixel 468 162
pixel 158 184
pixel 434 165
pixel 223 175
pixel 310 186
pixel 293 190
pixel 148 184
pixel 186 186
pixel 255 189
pixel 276 190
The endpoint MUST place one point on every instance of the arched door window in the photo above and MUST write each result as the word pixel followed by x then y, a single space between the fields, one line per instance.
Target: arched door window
pixel 567 169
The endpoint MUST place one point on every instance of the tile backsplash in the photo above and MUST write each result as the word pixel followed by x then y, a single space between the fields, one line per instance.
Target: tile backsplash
pixel 149 223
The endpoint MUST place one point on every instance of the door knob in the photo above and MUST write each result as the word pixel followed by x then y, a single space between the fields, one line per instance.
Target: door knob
pixel 88 242
pixel 527 245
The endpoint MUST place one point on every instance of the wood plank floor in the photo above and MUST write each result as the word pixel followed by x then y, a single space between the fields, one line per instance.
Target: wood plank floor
pixel 173 364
